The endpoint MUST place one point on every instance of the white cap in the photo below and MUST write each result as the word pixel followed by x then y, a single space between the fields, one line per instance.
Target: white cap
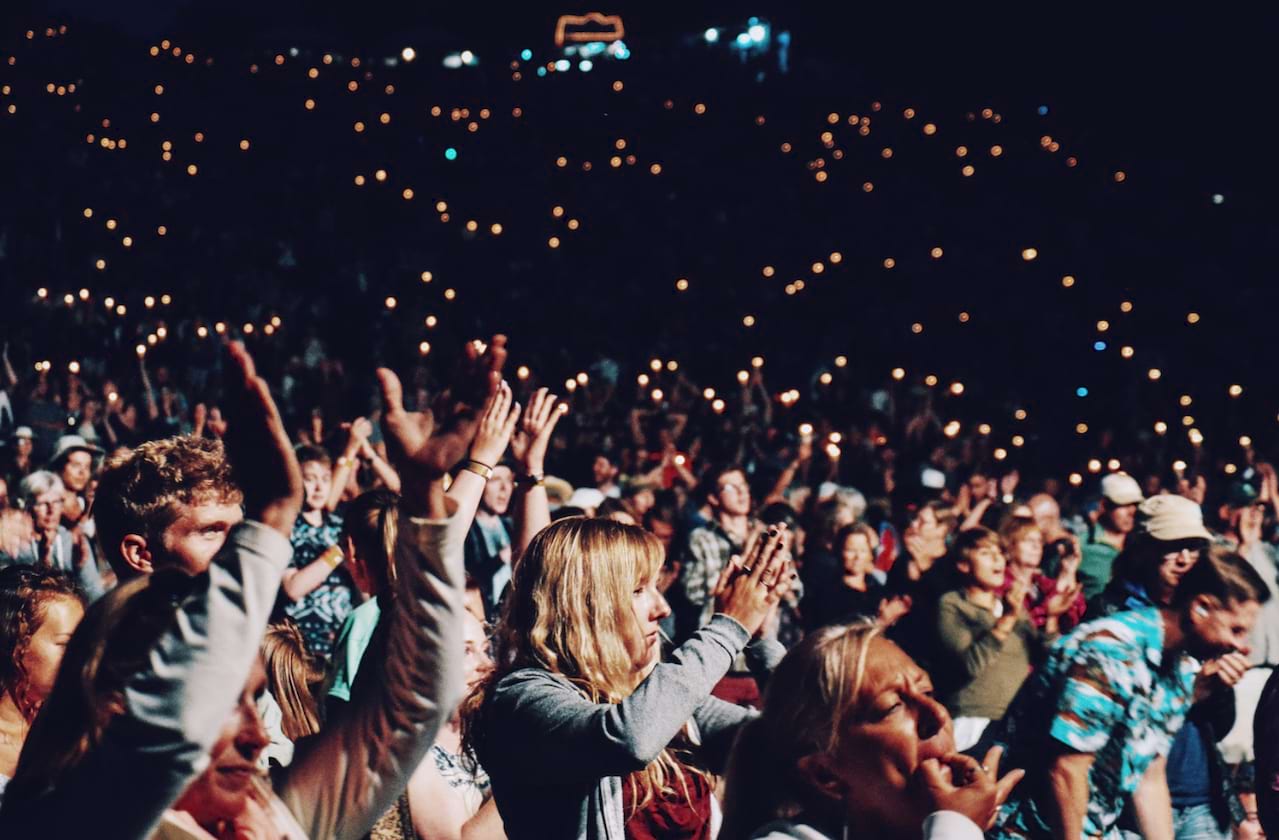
pixel 1121 489
pixel 586 498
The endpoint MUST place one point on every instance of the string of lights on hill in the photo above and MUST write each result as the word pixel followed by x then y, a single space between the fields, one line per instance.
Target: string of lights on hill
pixel 689 209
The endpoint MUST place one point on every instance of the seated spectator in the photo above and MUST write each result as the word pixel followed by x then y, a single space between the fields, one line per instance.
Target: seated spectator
pixel 39 610
pixel 584 730
pixel 1022 542
pixel 1120 495
pixel 856 593
pixel 987 642
pixel 851 740
pixel 53 546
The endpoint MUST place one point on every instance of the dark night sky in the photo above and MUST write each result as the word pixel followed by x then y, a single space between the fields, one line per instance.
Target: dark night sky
pixel 1162 84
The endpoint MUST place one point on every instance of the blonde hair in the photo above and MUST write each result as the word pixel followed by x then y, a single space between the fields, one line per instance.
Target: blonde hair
pixel 569 612
pixel 292 676
pixel 812 696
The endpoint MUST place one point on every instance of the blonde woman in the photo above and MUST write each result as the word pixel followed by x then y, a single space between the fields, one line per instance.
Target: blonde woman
pixel 851 743
pixel 584 730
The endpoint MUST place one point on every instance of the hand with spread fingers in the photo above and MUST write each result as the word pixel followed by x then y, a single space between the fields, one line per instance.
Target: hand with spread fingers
pixel 261 455
pixel 497 424
pixel 958 783
pixel 749 587
pixel 424 445
pixel 530 442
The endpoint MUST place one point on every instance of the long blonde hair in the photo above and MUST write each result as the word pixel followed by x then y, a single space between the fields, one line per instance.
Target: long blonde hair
pixel 569 612
pixel 292 676
pixel 812 696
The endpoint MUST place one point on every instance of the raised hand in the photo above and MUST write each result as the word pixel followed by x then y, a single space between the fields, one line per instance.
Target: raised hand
pixel 749 587
pixel 424 445
pixel 258 448
pixel 1015 596
pixel 496 426
pixel 958 783
pixel 529 444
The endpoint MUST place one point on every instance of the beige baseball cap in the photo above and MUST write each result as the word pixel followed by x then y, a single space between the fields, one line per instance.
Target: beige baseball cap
pixel 1121 489
pixel 1170 518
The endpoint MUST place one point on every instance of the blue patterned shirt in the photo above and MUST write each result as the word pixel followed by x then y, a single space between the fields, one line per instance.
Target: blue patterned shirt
pixel 321 613
pixel 1105 690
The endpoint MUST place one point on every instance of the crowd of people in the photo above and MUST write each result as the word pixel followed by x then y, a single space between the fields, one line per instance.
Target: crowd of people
pixel 413 625
pixel 283 557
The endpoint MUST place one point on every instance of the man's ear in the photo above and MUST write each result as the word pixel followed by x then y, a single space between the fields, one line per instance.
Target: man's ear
pixel 815 769
pixel 1201 607
pixel 133 548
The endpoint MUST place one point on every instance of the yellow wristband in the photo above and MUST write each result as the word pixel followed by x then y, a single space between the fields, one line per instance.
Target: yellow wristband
pixel 332 557
pixel 483 470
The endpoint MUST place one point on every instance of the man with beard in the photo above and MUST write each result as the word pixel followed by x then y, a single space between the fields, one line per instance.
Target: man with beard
pixel 1094 724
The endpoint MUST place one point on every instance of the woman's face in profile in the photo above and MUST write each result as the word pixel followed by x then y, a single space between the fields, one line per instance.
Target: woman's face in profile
pixel 897 726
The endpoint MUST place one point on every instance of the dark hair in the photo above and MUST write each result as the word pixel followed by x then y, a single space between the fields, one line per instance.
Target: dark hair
pixel 709 485
pixel 308 454
pixel 665 508
pixel 969 540
pixel 775 513
pixel 1223 575
pixel 112 645
pixel 609 506
pixel 25 593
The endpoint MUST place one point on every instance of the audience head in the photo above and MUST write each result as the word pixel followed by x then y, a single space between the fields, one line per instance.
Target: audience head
pixel 1047 515
pixel 727 491
pixel 847 720
pixel 292 677
pixel 73 462
pixel 855 545
pixel 1022 542
pixel 317 476
pixel 42 494
pixel 1218 600
pixel 167 503
pixel 369 528
pixel 497 491
pixel 39 611
pixel 1120 495
pixel 1168 539
pixel 979 559
pixel 604 469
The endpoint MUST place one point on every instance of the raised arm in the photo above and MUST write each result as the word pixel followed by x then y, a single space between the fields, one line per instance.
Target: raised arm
pixel 345 778
pixel 356 434
pixel 174 707
pixel 533 509
pixel 492 435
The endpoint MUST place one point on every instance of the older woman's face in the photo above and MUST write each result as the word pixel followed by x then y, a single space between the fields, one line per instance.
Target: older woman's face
pixel 900 725
pixel 46 510
pixel 223 790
